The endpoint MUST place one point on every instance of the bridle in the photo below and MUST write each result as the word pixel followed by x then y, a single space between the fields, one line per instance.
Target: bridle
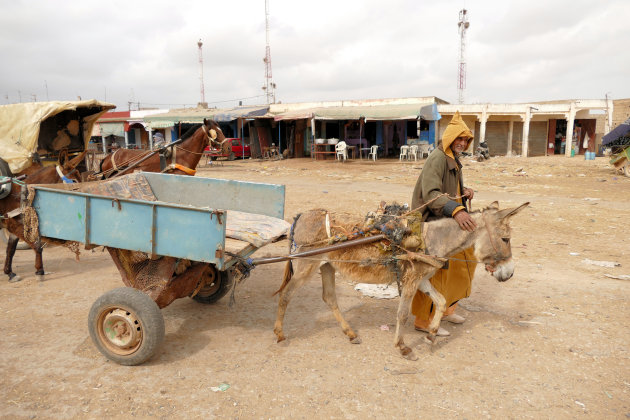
pixel 63 177
pixel 498 256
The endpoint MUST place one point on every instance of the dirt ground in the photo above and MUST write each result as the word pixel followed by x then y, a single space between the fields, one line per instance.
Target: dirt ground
pixel 553 342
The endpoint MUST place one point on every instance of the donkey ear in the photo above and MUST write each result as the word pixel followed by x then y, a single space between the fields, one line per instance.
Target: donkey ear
pixel 494 205
pixel 205 121
pixel 507 213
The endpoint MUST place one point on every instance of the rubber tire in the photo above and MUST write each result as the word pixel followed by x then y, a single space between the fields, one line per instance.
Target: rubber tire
pixel 211 294
pixel 4 236
pixel 231 156
pixel 145 311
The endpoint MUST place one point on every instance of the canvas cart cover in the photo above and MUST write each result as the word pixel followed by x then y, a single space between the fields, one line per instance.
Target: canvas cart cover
pixel 20 126
pixel 622 130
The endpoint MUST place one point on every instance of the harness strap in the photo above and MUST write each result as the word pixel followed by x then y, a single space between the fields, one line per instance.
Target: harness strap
pixel 65 179
pixel 114 160
pixel 497 254
pixel 182 168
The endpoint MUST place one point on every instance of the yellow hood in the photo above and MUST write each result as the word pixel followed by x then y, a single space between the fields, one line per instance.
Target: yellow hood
pixel 456 128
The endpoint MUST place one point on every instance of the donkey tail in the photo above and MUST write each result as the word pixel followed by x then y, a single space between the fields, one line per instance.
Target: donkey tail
pixel 286 278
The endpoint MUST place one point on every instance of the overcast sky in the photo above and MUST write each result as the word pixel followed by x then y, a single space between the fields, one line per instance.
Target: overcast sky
pixel 146 51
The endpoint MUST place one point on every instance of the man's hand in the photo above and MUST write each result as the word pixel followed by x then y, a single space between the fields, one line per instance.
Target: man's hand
pixel 465 221
pixel 469 193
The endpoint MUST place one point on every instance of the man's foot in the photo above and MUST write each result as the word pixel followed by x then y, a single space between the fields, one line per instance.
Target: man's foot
pixel 454 319
pixel 440 333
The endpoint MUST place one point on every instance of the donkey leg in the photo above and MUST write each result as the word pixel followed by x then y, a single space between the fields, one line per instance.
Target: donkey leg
pixel 408 290
pixel 39 262
pixel 304 270
pixel 329 296
pixel 438 302
pixel 12 243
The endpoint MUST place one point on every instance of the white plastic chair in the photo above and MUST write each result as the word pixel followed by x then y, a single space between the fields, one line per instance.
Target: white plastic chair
pixel 403 152
pixel 413 151
pixel 341 150
pixel 373 152
pixel 424 148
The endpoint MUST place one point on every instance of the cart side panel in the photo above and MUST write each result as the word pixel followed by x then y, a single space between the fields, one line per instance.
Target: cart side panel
pixel 124 227
pixel 191 234
pixel 146 226
pixel 64 217
pixel 248 197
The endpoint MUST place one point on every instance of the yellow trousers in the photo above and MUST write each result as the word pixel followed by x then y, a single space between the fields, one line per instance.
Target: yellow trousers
pixel 453 283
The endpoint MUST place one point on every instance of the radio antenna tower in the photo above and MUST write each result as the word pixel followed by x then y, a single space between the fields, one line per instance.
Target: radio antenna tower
pixel 463 27
pixel 270 86
pixel 202 90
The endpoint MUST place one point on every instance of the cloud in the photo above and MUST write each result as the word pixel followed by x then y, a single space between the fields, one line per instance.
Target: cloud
pixel 146 51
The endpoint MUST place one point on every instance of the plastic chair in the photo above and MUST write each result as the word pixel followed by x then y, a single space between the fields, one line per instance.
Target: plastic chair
pixel 413 151
pixel 373 152
pixel 424 148
pixel 341 150
pixel 404 150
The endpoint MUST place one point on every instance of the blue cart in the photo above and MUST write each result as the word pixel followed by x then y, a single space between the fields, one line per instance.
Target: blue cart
pixel 169 236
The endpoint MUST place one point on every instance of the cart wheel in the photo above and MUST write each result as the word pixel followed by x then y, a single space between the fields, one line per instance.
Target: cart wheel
pixel 126 325
pixel 5 238
pixel 217 284
pixel 231 156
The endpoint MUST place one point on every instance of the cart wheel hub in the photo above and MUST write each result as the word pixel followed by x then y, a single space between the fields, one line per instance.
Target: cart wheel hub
pixel 122 329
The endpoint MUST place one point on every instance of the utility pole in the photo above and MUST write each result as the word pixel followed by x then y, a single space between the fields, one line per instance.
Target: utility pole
pixel 270 86
pixel 463 25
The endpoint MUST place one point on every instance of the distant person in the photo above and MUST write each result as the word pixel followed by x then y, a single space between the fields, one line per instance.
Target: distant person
pixel 442 173
pixel 158 140
pixel 483 152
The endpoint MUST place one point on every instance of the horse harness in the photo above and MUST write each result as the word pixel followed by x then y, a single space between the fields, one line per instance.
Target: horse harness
pixel 211 134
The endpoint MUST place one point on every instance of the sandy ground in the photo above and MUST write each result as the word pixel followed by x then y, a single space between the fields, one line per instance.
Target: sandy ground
pixel 552 342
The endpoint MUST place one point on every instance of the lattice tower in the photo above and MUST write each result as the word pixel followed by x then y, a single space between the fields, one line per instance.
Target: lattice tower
pixel 463 25
pixel 202 89
pixel 270 86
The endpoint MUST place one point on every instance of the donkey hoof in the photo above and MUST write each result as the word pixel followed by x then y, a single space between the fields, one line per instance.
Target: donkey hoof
pixel 431 338
pixel 14 278
pixel 356 340
pixel 280 339
pixel 408 354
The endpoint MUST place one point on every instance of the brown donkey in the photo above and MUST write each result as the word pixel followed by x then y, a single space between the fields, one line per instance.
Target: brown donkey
pixel 372 263
pixel 10 205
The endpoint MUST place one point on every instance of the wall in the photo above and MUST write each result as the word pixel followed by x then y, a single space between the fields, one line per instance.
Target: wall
pixel 621 111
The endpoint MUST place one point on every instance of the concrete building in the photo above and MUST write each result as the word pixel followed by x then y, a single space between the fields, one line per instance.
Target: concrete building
pixel 535 129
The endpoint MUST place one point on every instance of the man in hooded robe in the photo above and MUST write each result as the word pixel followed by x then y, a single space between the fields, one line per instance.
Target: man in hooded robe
pixel 442 173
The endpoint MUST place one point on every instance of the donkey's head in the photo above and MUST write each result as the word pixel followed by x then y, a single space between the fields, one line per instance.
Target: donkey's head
pixel 493 243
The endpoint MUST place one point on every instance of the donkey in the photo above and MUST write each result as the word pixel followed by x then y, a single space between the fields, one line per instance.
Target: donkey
pixel 442 238
pixel 64 171
pixel 184 156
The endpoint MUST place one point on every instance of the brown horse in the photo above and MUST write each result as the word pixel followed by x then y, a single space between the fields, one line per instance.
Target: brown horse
pixel 371 263
pixel 10 205
pixel 184 157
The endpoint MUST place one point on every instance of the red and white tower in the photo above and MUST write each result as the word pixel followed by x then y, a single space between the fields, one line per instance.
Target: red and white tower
pixel 461 78
pixel 270 86
pixel 202 90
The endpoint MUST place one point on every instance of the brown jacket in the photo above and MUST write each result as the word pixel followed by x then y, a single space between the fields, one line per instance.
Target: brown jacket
pixel 442 174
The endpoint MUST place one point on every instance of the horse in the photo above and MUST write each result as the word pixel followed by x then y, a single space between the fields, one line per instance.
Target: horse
pixel 442 238
pixel 64 171
pixel 184 156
